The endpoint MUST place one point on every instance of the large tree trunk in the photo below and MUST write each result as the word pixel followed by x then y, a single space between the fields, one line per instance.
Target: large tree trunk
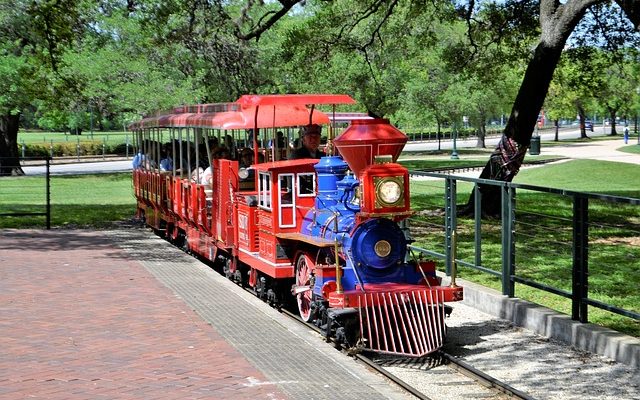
pixel 612 121
pixel 481 131
pixel 583 120
pixel 482 134
pixel 9 158
pixel 505 161
pixel 557 22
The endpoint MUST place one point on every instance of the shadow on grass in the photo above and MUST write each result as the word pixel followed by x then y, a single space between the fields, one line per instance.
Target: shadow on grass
pixel 67 216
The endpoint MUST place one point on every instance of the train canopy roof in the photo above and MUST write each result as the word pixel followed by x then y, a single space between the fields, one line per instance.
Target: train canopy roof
pixel 250 111
pixel 291 99
pixel 275 116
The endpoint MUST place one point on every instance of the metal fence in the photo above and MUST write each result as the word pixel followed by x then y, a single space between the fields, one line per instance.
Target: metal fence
pixel 571 237
pixel 26 196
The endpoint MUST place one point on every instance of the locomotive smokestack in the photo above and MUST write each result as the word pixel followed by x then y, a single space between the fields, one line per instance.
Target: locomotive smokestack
pixel 365 139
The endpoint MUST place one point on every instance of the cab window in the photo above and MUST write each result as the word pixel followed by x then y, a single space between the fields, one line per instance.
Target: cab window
pixel 264 190
pixel 307 184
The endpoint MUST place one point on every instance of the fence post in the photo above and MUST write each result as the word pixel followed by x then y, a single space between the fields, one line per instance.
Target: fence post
pixel 508 242
pixel 580 259
pixel 450 220
pixel 477 213
pixel 48 189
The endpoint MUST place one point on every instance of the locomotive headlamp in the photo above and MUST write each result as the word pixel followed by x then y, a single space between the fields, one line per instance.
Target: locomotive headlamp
pixel 243 173
pixel 389 191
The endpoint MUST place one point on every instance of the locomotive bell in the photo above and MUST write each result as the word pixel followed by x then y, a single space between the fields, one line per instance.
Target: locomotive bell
pixel 366 139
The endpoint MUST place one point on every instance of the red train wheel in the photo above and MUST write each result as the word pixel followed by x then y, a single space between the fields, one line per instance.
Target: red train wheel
pixel 303 289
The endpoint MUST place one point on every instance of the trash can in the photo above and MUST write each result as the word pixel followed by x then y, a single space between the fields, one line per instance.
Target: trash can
pixel 534 147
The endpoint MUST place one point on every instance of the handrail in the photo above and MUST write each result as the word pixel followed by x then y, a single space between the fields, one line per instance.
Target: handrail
pixel 508 275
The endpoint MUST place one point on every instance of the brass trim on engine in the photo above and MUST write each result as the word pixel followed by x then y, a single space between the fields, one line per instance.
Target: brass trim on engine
pixel 382 248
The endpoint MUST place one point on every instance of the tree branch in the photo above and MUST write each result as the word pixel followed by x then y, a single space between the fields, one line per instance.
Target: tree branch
pixel 260 27
pixel 376 31
pixel 632 9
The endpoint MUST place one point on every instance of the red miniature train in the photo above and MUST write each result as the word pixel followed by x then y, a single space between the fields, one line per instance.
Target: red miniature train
pixel 325 234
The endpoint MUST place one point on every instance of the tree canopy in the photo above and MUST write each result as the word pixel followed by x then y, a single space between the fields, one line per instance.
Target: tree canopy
pixel 416 62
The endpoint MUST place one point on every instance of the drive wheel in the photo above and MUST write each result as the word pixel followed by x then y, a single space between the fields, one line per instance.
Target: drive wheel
pixel 303 288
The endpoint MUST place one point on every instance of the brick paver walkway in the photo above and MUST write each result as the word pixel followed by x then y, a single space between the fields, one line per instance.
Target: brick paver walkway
pixel 79 320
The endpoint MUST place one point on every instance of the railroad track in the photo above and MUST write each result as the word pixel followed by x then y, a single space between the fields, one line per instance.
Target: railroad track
pixel 381 365
pixel 437 366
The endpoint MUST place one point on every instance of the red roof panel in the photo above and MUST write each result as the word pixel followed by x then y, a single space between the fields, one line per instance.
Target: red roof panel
pixel 291 99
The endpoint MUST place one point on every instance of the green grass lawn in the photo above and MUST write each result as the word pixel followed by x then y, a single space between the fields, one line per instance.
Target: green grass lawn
pixel 620 179
pixel 46 138
pixel 76 201
pixel 631 148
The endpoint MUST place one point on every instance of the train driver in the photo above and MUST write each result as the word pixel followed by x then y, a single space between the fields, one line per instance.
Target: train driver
pixel 310 143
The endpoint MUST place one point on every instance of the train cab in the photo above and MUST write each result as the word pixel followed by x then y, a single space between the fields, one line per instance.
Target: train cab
pixel 268 217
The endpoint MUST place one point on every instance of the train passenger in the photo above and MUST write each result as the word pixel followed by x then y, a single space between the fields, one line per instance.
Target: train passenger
pixel 203 160
pixel 222 153
pixel 216 154
pixel 245 162
pixel 196 174
pixel 138 160
pixel 166 162
pixel 150 157
pixel 310 143
pixel 246 158
pixel 229 143
pixel 207 175
pixel 279 140
pixel 250 139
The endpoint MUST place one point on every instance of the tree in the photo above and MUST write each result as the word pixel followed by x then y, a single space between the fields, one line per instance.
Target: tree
pixel 618 88
pixel 489 98
pixel 558 105
pixel 557 22
pixel 34 34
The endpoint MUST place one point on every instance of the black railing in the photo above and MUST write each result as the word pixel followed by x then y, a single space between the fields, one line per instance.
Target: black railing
pixel 26 196
pixel 614 220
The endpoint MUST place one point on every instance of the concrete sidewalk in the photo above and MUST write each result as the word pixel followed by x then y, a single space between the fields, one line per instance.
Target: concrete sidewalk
pixel 603 150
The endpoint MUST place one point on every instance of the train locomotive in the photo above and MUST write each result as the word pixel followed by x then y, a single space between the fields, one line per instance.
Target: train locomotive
pixel 326 236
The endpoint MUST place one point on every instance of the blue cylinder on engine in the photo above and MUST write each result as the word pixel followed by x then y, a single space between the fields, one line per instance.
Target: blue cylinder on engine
pixel 328 217
pixel 374 250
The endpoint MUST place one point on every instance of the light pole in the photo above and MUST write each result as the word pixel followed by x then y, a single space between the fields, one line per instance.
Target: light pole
pixel 636 121
pixel 454 151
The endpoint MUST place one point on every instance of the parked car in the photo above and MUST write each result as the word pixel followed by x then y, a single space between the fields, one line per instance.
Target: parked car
pixel 588 124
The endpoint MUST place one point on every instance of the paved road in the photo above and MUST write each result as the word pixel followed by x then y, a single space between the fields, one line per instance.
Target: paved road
pixel 78 168
pixel 605 150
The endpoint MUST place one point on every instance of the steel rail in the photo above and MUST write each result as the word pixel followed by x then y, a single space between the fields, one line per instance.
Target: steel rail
pixel 370 363
pixel 479 376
